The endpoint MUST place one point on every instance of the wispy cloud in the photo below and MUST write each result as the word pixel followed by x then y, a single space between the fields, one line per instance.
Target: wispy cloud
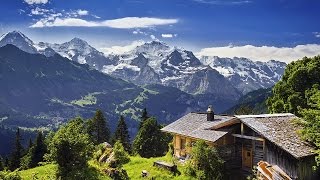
pixel 223 2
pixel 36 1
pixel 168 35
pixel 39 11
pixel 139 31
pixel 121 49
pixel 82 12
pixel 121 23
pixel 263 53
pixel 97 17
pixel 316 34
pixel 154 38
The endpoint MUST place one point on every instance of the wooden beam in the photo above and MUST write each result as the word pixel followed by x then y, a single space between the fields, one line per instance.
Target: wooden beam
pixel 248 137
pixel 264 149
pixel 242 128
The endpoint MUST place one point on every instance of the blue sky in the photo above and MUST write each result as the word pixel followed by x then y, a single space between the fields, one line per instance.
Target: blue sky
pixel 193 24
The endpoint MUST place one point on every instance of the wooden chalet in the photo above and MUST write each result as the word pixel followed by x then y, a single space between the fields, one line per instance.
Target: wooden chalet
pixel 244 140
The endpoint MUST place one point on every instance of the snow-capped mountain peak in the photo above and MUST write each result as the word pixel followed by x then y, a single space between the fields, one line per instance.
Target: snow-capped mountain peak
pixel 80 51
pixel 245 74
pixel 19 40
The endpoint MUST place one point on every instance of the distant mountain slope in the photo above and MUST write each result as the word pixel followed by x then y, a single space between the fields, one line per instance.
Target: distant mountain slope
pixel 21 41
pixel 245 74
pixel 76 50
pixel 252 103
pixel 40 91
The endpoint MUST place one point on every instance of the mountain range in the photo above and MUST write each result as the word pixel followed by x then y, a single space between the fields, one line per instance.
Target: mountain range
pixel 157 63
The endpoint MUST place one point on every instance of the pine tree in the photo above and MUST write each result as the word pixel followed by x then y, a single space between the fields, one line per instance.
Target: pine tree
pixel 1 164
pixel 150 141
pixel 122 135
pixel 99 128
pixel 143 117
pixel 16 153
pixel 30 143
pixel 38 150
pixel 6 162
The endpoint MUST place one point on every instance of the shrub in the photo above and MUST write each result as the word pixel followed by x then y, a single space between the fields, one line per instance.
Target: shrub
pixel 205 162
pixel 120 155
pixel 8 175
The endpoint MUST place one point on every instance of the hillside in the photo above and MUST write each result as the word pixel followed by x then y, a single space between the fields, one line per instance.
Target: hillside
pixel 252 103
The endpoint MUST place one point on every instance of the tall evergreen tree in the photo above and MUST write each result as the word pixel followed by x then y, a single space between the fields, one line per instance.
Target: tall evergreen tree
pixel 98 128
pixel 1 164
pixel 150 141
pixel 35 153
pixel 16 153
pixel 122 135
pixel 30 143
pixel 144 117
pixel 39 150
pixel 6 162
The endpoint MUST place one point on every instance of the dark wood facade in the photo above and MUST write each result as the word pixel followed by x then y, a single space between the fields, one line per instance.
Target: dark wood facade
pixel 249 148
pixel 244 140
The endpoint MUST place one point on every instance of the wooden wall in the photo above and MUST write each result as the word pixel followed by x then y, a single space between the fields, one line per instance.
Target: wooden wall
pixel 178 150
pixel 295 168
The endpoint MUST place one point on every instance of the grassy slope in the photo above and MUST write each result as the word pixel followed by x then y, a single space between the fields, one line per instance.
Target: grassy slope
pixel 133 168
pixel 137 164
pixel 47 172
pixel 42 172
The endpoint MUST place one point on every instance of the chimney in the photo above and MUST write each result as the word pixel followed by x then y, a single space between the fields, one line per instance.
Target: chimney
pixel 210 114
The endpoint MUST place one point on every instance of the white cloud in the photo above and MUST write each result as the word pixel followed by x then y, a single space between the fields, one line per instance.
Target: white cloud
pixel 168 35
pixel 263 53
pixel 316 34
pixel 138 31
pixel 36 1
pixel 121 49
pixel 121 23
pixel 97 17
pixel 39 11
pixel 82 12
pixel 223 2
pixel 21 11
pixel 153 37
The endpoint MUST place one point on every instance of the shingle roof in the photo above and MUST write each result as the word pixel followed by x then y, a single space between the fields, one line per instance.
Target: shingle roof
pixel 196 125
pixel 280 130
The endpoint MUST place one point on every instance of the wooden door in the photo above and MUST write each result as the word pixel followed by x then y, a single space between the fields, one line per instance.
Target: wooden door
pixel 247 157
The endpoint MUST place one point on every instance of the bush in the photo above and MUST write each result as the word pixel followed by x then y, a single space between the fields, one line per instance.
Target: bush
pixel 70 148
pixel 8 175
pixel 120 155
pixel 205 162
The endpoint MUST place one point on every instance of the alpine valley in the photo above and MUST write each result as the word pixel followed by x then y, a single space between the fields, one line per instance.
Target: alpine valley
pixel 44 85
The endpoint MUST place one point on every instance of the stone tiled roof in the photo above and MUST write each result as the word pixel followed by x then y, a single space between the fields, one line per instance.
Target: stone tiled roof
pixel 280 130
pixel 195 125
